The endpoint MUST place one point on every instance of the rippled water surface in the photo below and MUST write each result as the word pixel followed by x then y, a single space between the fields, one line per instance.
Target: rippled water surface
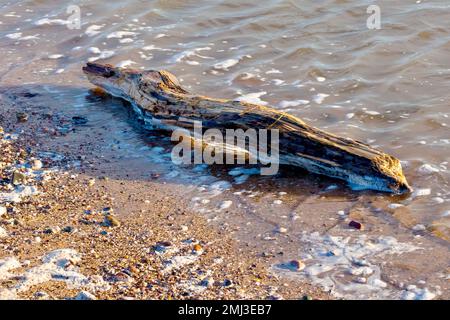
pixel 314 59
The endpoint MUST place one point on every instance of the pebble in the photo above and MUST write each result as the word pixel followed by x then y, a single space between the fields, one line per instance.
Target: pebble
pixel 111 221
pixel 91 182
pixel 349 115
pixel 36 164
pixel 198 248
pixel 164 243
pixel 207 282
pixel 18 178
pixel 84 295
pixel 122 277
pixel 281 230
pixel 78 120
pixel 42 295
pixel 297 265
pixel 22 117
pixel 356 225
pixel 419 227
pixel 225 204
pixel 52 230
pixel 68 229
pixel 227 283
pixel 361 280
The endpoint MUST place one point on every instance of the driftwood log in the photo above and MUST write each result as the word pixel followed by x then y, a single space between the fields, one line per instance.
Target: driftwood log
pixel 158 95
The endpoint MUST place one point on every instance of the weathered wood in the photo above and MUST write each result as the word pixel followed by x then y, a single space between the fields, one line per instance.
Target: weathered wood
pixel 158 94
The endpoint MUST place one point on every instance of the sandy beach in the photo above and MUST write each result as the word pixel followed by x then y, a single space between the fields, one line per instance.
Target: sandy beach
pixel 61 243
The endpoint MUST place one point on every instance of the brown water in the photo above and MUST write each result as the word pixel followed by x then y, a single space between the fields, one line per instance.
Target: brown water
pixel 314 59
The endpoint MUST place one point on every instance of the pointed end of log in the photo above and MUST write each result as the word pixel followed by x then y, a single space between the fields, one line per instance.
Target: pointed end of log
pixel 391 167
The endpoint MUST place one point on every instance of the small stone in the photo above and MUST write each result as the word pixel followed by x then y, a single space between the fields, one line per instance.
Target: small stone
pixel 111 221
pixel 78 120
pixel 164 243
pixel 227 283
pixel 198 248
pixel 84 295
pixel 18 178
pixel 36 164
pixel 22 117
pixel 419 227
pixel 282 230
pixel 42 295
pixel 121 277
pixel 297 265
pixel 266 254
pixel 52 230
pixel 91 182
pixel 184 228
pixel 207 282
pixel 306 297
pixel 361 280
pixel 68 229
pixel 356 225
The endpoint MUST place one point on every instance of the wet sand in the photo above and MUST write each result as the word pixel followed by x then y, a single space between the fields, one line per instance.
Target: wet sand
pixel 58 246
pixel 244 235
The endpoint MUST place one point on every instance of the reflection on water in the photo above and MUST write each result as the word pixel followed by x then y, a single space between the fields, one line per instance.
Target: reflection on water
pixel 314 59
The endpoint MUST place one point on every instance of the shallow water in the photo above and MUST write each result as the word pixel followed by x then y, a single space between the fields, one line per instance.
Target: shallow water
pixel 314 59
